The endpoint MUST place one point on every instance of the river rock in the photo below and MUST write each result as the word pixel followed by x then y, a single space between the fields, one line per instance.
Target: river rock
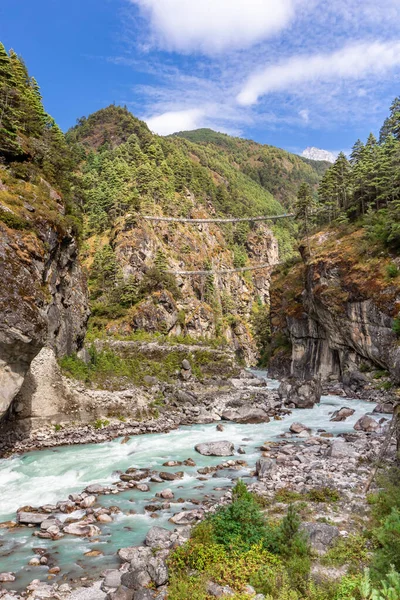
pixel 341 449
pixel 7 577
pixel 186 365
pixel 265 468
pixel 95 488
pixel 220 427
pixel 320 535
pixel 104 518
pixel 298 428
pixel 342 414
pixel 143 594
pixel 158 570
pixel 121 593
pixel 158 537
pixel 385 408
pixel 136 555
pixel 88 501
pixel 31 518
pixel 165 476
pixel 112 579
pixel 187 517
pixel 246 415
pixel 367 424
pixel 166 494
pixel 223 448
pixel 82 528
pixel 302 394
pixel 142 487
pixel 136 579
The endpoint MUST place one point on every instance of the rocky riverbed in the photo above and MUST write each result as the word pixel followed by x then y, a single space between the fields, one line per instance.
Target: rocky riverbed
pixel 163 480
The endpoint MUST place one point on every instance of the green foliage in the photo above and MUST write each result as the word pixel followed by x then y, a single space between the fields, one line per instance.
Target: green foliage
pixel 386 589
pixel 101 423
pixel 14 221
pixel 352 550
pixel 396 326
pixel 392 271
pixel 388 537
pixel 323 494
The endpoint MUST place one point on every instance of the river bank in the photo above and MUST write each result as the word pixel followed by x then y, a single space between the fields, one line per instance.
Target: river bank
pixel 48 477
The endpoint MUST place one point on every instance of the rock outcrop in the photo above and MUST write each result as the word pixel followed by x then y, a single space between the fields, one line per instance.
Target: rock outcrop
pixel 43 298
pixel 339 318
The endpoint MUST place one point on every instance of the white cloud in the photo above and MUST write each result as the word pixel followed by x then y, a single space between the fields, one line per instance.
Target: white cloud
pixel 351 62
pixel 305 115
pixel 173 121
pixel 213 26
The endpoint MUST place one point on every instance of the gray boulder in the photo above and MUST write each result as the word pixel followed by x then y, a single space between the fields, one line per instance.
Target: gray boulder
pixel 136 555
pixel 300 393
pixel 143 594
pixel 31 518
pixel 320 535
pixel 246 415
pixel 187 517
pixel 158 570
pixel 265 468
pixel 298 428
pixel 341 449
pixel 121 593
pixel 367 424
pixel 135 580
pixel 112 579
pixel 223 448
pixel 158 537
pixel 342 414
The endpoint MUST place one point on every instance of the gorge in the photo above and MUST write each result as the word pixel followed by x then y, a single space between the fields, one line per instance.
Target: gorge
pixel 131 415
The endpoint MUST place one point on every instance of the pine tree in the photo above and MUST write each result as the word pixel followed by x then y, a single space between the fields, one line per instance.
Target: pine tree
pixel 303 208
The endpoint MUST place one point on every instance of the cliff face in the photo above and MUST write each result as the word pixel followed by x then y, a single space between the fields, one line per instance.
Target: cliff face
pixel 43 300
pixel 335 315
pixel 200 307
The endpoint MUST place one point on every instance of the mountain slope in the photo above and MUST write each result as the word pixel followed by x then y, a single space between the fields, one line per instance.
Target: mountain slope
pixel 276 170
pixel 126 172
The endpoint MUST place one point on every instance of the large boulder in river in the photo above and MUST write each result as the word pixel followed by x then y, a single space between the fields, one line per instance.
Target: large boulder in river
pixel 300 393
pixel 31 518
pixel 342 414
pixel 82 528
pixel 223 448
pixel 246 414
pixel 367 424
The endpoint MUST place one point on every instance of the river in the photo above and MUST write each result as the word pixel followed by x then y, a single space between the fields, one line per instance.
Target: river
pixel 47 476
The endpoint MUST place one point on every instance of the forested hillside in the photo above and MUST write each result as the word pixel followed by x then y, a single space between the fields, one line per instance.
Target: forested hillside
pixel 276 170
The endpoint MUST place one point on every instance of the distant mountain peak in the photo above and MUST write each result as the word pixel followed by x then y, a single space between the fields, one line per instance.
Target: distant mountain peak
pixel 318 154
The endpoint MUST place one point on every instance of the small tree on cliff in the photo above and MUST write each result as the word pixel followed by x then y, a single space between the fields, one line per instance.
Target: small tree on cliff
pixel 303 209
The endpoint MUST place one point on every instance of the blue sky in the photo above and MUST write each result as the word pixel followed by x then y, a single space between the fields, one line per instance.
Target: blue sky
pixel 291 73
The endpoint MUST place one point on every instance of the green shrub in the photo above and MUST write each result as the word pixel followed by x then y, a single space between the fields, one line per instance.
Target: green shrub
pixel 101 423
pixel 392 271
pixel 183 587
pixel 292 542
pixel 388 536
pixel 14 221
pixel 396 326
pixel 351 550
pixel 323 494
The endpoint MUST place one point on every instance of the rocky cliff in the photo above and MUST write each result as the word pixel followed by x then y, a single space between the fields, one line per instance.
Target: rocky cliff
pixel 333 315
pixel 43 298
